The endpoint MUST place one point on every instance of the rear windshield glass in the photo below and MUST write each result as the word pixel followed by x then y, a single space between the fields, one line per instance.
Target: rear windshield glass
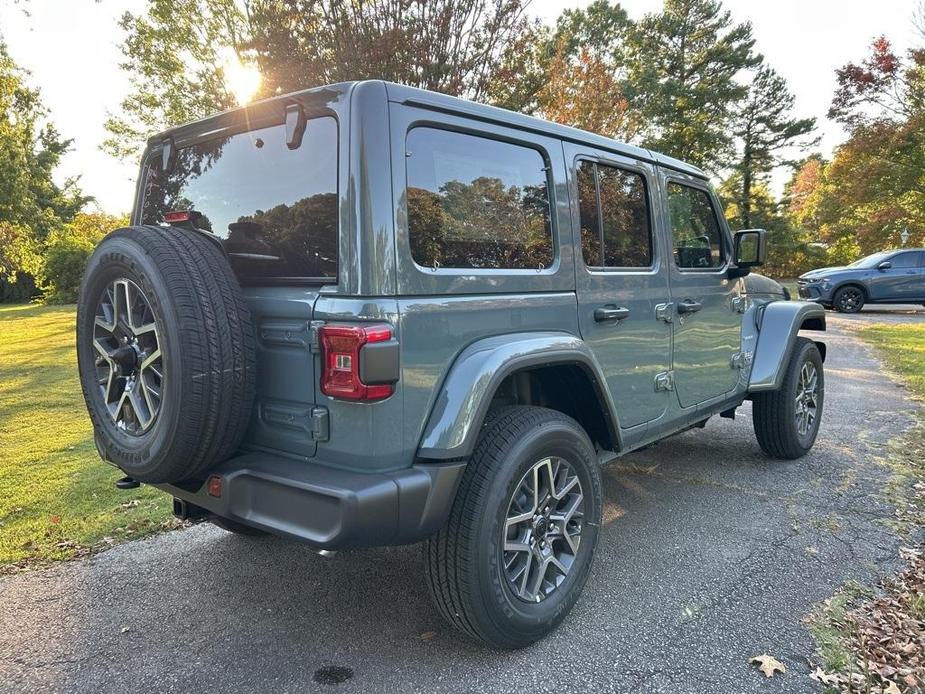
pixel 275 209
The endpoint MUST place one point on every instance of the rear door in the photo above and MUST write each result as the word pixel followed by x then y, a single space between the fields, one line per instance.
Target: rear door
pixel 621 278
pixel 919 290
pixel 707 329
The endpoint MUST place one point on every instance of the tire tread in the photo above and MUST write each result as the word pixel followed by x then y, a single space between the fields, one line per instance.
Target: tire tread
pixel 770 410
pixel 218 348
pixel 447 553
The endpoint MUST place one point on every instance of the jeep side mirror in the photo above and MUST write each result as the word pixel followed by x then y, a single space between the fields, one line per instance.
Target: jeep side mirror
pixel 749 249
pixel 885 265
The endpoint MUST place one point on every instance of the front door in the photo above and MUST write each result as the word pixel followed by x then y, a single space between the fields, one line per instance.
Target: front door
pixel 707 328
pixel 900 282
pixel 621 278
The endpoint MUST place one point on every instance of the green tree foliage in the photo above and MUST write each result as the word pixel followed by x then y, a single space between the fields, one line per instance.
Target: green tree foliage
pixel 67 250
pixel 174 55
pixel 765 130
pixel 176 52
pixel 32 205
pixel 583 54
pixel 791 247
pixel 583 92
pixel 874 187
pixel 671 78
pixel 683 64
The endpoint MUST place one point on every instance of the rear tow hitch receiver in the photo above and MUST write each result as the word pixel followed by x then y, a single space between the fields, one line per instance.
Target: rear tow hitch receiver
pixel 186 511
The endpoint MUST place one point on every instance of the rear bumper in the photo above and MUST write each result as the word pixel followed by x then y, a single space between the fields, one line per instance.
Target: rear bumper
pixel 326 507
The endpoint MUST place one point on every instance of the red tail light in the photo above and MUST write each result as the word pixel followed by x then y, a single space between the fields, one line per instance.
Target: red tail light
pixel 176 216
pixel 341 352
pixel 215 486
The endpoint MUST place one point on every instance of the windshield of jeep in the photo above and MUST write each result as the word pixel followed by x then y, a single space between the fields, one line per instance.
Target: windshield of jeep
pixel 275 209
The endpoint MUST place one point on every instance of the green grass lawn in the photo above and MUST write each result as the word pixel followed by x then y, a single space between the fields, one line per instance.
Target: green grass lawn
pixel 902 348
pixel 57 498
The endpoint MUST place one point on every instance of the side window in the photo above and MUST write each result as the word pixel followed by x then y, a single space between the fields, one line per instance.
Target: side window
pixel 698 240
pixel 474 202
pixel 614 216
pixel 905 260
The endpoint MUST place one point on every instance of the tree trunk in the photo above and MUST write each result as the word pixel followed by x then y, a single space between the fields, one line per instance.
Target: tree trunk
pixel 745 214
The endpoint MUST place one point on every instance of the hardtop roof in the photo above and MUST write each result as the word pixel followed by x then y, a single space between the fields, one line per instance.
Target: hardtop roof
pixel 432 100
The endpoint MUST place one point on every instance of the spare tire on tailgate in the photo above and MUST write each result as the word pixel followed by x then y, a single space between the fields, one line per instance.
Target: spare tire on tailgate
pixel 165 349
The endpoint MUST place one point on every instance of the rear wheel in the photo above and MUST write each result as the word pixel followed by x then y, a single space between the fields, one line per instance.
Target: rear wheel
pixel 848 299
pixel 787 420
pixel 516 551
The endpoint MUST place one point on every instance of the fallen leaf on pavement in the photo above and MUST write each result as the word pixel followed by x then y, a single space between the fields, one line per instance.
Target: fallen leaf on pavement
pixel 768 664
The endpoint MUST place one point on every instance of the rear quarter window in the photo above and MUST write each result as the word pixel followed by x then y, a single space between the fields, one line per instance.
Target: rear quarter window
pixel 614 215
pixel 474 202
pixel 274 209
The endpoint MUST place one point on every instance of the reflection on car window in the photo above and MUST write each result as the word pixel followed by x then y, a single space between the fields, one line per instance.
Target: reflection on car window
pixel 698 241
pixel 275 209
pixel 476 203
pixel 869 261
pixel 905 260
pixel 620 225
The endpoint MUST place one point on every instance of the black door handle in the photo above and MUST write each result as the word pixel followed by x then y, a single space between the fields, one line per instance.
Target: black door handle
pixel 610 313
pixel 689 306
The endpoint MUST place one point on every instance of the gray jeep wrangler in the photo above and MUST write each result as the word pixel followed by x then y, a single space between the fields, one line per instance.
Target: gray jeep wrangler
pixel 367 314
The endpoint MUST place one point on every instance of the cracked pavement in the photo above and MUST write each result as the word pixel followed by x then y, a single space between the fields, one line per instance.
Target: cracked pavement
pixel 711 554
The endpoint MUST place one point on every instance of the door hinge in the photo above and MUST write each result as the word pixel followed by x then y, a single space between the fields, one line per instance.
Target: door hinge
pixel 664 380
pixel 739 360
pixel 739 304
pixel 321 427
pixel 315 341
pixel 664 312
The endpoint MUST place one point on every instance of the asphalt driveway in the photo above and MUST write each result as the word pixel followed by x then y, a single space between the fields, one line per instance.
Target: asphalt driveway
pixel 711 554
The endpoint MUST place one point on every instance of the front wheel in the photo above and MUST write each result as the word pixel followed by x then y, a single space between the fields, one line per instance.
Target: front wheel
pixel 517 548
pixel 787 420
pixel 848 299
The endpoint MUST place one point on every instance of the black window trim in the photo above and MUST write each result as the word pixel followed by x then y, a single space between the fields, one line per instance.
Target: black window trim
pixel 550 269
pixel 702 186
pixel 154 150
pixel 653 265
